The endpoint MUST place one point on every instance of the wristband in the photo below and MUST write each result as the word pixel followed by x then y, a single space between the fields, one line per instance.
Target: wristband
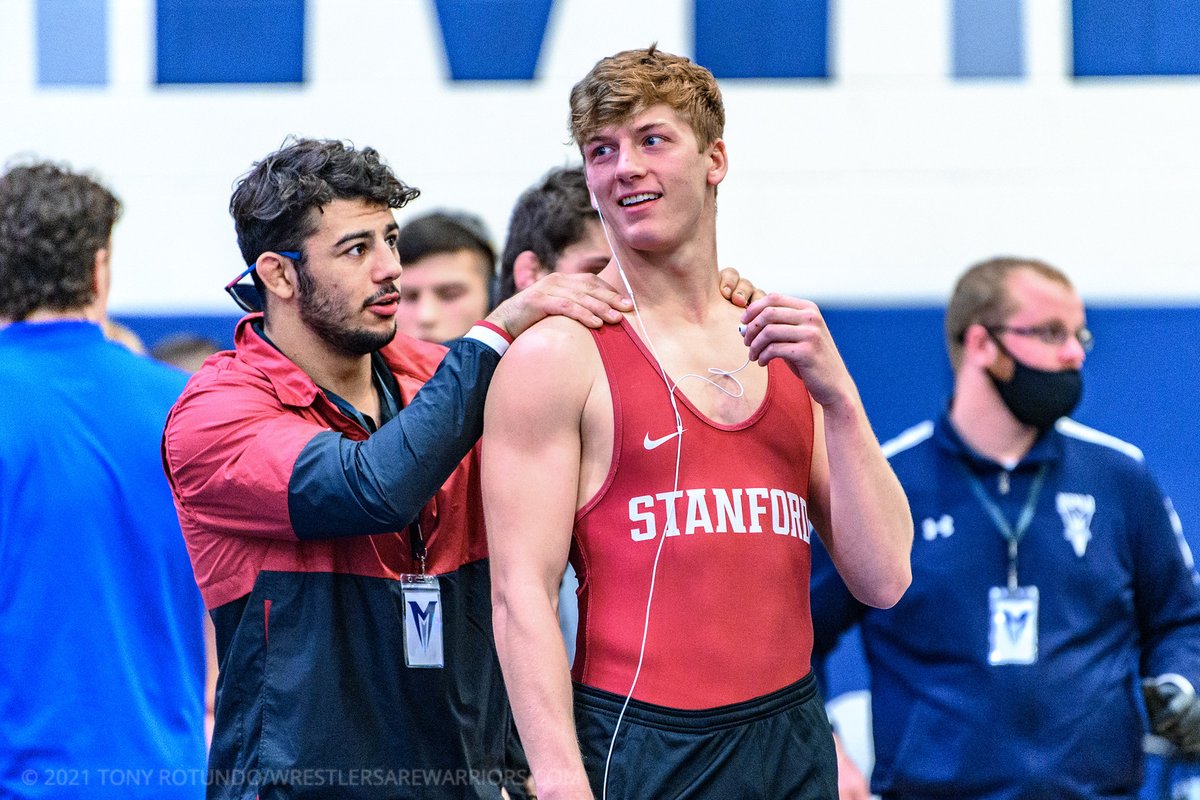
pixel 490 334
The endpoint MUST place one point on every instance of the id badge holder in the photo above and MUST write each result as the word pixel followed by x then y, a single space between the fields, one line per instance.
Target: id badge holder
pixel 422 598
pixel 1013 629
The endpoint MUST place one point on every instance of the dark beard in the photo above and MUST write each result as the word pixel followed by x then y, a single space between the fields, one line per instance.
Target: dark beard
pixel 322 316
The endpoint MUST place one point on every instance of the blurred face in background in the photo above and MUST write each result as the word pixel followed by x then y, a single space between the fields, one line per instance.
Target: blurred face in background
pixel 589 254
pixel 443 295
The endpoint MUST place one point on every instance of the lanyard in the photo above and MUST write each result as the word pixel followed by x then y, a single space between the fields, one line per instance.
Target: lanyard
pixel 1011 534
pixel 418 543
pixel 390 403
pixel 389 392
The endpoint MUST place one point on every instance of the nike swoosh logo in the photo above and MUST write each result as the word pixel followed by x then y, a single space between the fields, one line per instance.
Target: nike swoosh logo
pixel 650 444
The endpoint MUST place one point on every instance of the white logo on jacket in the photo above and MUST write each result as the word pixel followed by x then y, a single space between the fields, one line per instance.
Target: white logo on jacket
pixel 1076 511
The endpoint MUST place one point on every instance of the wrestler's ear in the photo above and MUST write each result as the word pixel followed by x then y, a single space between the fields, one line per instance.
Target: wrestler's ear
pixel 718 162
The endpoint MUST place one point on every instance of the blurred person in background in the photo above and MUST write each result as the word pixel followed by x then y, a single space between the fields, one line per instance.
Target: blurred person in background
pixel 124 335
pixel 553 228
pixel 1052 585
pixel 449 269
pixel 185 350
pixel 102 677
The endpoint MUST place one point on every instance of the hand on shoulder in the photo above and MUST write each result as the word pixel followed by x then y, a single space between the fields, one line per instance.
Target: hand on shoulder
pixel 582 297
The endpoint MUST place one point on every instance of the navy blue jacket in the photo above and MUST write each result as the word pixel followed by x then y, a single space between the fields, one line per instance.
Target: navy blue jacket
pixel 1118 599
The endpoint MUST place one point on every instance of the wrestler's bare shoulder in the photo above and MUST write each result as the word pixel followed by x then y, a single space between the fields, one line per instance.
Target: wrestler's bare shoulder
pixel 552 338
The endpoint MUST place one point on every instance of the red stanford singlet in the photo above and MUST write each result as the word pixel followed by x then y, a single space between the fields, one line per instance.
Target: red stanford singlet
pixel 730 618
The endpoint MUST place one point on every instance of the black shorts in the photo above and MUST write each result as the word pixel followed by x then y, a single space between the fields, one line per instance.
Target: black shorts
pixel 775 747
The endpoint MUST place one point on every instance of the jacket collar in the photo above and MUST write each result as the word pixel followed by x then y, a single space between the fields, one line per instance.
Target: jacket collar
pixel 292 385
pixel 1046 449
pixel 411 360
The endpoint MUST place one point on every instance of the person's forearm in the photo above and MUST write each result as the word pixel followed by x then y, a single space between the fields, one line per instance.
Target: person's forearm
pixel 872 524
pixel 341 487
pixel 536 674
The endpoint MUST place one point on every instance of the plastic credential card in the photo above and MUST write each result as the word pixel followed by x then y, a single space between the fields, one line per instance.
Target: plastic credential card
pixel 422 597
pixel 1013 638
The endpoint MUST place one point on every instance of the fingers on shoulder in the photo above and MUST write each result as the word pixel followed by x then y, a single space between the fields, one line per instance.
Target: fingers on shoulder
pixel 588 300
pixel 574 285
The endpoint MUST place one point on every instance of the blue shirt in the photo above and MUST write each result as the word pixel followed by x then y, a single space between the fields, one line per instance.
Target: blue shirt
pixel 1118 597
pixel 101 637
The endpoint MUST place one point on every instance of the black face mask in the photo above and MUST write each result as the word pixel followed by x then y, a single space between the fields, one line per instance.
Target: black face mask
pixel 1039 397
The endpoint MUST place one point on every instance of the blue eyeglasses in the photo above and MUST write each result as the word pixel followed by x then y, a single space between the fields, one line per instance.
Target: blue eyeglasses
pixel 245 294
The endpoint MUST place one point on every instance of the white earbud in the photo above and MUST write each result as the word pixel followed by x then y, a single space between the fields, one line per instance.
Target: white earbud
pixel 592 195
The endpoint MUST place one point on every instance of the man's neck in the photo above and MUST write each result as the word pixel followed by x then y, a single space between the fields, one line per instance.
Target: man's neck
pixel 90 313
pixel 690 329
pixel 346 375
pixel 986 425
pixel 683 281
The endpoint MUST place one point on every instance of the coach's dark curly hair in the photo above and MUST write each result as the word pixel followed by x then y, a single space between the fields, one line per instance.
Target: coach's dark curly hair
pixel 271 204
pixel 52 223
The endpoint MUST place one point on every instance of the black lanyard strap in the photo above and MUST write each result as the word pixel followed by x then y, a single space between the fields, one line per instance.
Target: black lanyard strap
pixel 417 541
pixel 1012 534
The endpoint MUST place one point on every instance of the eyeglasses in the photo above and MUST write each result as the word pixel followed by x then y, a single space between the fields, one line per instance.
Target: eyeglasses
pixel 246 294
pixel 1052 333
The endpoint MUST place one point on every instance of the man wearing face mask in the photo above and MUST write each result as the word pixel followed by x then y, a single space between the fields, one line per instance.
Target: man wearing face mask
pixel 1051 582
